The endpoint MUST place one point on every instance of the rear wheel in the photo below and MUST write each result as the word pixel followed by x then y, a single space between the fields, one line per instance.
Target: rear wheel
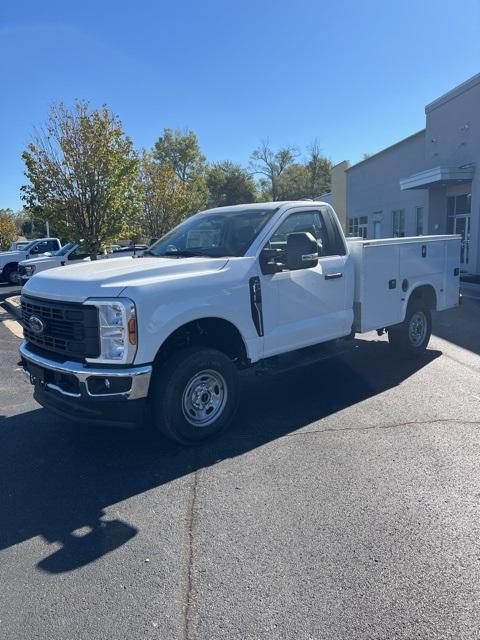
pixel 411 338
pixel 194 395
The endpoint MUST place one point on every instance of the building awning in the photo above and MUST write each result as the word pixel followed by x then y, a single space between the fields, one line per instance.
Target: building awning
pixel 437 176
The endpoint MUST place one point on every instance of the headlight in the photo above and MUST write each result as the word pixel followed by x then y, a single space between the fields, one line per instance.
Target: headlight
pixel 117 324
pixel 30 269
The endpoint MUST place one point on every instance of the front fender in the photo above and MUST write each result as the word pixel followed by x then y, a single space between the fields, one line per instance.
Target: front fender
pixel 225 295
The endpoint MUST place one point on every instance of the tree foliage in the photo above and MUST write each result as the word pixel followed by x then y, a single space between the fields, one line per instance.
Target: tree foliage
pixel 180 150
pixel 271 164
pixel 82 172
pixel 228 183
pixel 284 178
pixel 309 179
pixel 166 199
pixel 8 229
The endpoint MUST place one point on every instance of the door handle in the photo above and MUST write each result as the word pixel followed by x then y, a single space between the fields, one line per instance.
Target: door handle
pixel 331 276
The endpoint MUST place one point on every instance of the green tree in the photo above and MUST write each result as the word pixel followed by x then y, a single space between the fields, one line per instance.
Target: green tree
pixel 166 199
pixel 319 170
pixel 8 229
pixel 228 183
pixel 293 183
pixel 307 179
pixel 180 150
pixel 270 165
pixel 82 171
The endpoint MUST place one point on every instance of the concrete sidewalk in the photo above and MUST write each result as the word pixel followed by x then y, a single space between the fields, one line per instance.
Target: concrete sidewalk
pixel 13 305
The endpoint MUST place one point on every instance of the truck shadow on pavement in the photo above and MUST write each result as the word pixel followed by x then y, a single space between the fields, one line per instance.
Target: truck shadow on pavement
pixel 460 326
pixel 56 479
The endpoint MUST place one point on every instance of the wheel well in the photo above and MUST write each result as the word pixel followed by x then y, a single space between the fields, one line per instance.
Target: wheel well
pixel 208 332
pixel 8 266
pixel 424 294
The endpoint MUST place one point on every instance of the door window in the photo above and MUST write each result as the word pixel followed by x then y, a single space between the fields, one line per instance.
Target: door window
pixel 77 254
pixel 41 247
pixel 307 221
pixel 52 245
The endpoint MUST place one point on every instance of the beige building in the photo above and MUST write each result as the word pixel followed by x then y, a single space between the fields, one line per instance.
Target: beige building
pixel 337 197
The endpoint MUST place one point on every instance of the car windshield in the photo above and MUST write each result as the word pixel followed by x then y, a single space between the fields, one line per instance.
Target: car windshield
pixel 65 249
pixel 28 246
pixel 215 234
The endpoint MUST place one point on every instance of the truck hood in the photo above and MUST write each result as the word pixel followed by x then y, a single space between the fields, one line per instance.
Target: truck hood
pixel 43 260
pixel 108 278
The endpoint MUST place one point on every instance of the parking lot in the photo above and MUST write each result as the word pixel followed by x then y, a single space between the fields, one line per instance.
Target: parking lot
pixel 342 504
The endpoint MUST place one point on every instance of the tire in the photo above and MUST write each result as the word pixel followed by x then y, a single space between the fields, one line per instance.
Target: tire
pixel 411 338
pixel 11 274
pixel 194 395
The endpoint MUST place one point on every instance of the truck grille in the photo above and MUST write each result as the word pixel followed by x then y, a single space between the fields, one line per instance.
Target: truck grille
pixel 66 328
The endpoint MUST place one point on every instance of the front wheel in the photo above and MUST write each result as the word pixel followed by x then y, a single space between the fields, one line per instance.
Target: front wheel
pixel 12 275
pixel 411 338
pixel 194 395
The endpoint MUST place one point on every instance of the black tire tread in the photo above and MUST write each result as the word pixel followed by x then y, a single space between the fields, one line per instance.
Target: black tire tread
pixel 398 335
pixel 165 392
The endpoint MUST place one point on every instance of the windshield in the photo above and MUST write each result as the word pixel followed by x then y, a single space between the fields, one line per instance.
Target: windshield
pixel 65 249
pixel 213 234
pixel 28 246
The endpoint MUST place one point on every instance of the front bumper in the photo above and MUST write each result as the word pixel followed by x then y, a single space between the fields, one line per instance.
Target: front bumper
pixel 106 395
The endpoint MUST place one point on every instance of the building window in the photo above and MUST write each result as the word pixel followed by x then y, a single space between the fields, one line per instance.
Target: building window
pixel 358 227
pixel 419 217
pixel 457 206
pixel 398 223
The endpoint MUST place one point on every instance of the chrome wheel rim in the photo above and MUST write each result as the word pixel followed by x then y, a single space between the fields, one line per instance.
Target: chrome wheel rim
pixel 204 398
pixel 417 328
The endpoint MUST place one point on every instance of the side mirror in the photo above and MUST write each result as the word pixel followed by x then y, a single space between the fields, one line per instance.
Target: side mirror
pixel 270 260
pixel 302 251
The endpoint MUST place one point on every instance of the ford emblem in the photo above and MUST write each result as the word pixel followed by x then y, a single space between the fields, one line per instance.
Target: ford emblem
pixel 36 325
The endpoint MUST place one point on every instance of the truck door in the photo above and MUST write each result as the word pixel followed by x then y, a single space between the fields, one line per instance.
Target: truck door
pixel 307 306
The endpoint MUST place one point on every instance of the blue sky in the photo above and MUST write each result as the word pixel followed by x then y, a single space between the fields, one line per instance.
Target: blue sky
pixel 355 74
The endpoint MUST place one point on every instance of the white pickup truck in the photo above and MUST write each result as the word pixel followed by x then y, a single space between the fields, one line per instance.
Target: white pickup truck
pixel 9 260
pixel 70 253
pixel 165 335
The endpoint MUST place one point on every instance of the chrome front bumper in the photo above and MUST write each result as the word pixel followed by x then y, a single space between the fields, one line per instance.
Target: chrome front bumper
pixel 86 378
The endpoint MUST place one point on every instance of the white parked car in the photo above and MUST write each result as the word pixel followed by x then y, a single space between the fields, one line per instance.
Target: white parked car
pixel 254 285
pixel 70 253
pixel 9 260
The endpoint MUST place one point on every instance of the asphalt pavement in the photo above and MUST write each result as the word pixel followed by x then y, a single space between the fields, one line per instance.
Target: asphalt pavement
pixel 342 504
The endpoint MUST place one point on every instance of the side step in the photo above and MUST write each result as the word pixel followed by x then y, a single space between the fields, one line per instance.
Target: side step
pixel 303 357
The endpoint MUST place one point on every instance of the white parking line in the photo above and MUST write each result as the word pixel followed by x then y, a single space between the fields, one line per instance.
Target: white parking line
pixel 14 327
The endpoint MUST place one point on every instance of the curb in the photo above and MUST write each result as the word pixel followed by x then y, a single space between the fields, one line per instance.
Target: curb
pixel 13 305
